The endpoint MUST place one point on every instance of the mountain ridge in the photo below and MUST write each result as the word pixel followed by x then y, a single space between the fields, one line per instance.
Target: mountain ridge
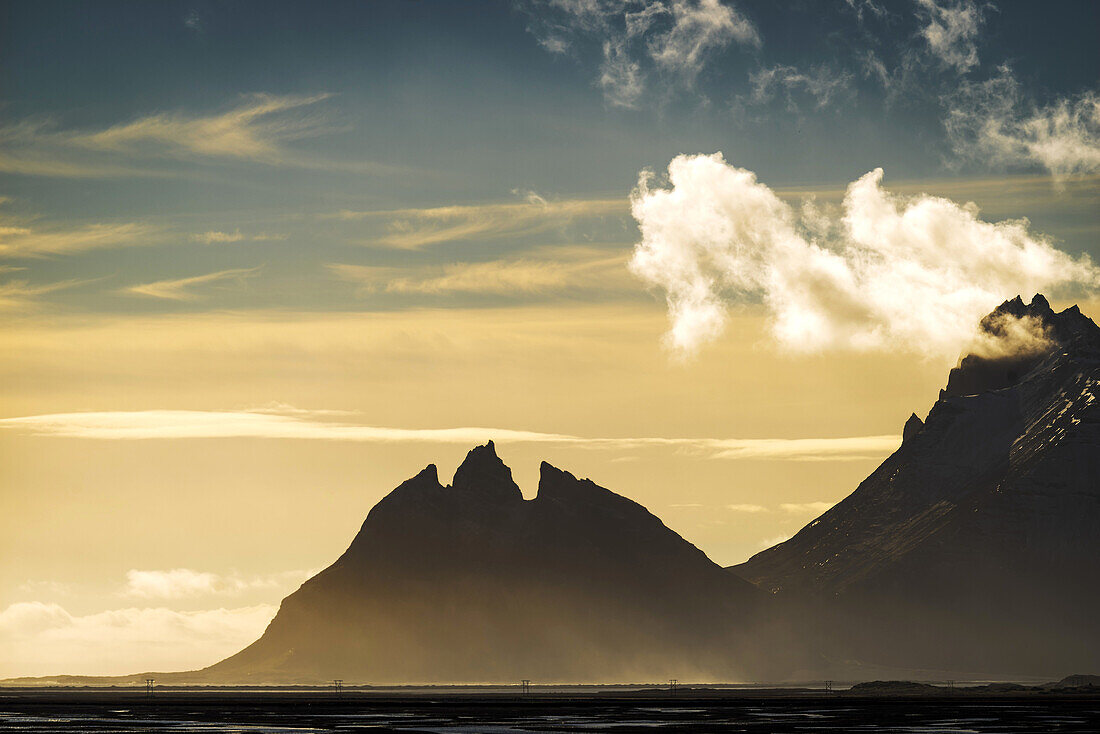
pixel 473 582
pixel 994 493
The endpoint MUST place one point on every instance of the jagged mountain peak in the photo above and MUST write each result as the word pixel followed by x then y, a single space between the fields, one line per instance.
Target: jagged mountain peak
pixel 484 480
pixel 1017 338
pixel 558 485
pixel 1060 327
pixel 450 584
pixel 913 426
pixel 484 473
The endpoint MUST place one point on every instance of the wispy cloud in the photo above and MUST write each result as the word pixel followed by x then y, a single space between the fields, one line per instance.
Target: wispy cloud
pixel 766 543
pixel 551 270
pixel 209 238
pixel 993 122
pixel 802 508
pixel 820 85
pixel 951 30
pixel 38 148
pixel 181 289
pixel 45 639
pixel 216 237
pixel 254 130
pixel 672 40
pixel 411 229
pixel 748 508
pixel 188 424
pixel 798 508
pixel 21 295
pixel 868 7
pixel 259 129
pixel 23 241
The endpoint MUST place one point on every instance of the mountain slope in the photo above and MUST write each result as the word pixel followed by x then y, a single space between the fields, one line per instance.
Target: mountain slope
pixel 976 545
pixel 473 583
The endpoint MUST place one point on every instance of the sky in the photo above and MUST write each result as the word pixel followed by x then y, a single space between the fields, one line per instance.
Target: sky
pixel 262 261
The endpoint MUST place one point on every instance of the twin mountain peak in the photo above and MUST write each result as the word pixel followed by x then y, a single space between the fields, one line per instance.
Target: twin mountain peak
pixel 483 477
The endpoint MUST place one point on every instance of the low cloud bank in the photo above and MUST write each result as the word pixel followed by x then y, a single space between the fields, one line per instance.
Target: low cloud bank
pixel 882 272
pixel 179 583
pixel 45 639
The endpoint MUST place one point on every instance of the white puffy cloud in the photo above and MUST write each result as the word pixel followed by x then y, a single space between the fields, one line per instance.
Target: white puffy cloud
pixel 39 638
pixel 992 122
pixel 911 273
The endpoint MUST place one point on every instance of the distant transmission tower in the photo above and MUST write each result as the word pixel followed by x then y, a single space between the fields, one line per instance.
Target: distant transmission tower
pixel 525 686
pixel 338 685
pixel 672 685
pixel 828 686
pixel 149 685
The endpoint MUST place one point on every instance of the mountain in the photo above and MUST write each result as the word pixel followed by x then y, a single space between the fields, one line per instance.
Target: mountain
pixel 976 545
pixel 471 582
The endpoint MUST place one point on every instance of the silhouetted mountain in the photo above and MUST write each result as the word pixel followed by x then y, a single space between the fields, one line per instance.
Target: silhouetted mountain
pixel 473 583
pixel 976 545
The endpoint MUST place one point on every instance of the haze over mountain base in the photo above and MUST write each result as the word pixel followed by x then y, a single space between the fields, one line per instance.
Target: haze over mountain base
pixel 971 551
pixel 471 582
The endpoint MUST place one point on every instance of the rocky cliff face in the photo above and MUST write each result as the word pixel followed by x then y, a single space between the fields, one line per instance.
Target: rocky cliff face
pixel 976 546
pixel 470 582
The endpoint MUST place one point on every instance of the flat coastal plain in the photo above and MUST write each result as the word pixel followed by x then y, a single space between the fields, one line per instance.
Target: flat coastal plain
pixel 577 709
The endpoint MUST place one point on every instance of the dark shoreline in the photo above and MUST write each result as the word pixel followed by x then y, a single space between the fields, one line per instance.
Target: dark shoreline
pixel 959 709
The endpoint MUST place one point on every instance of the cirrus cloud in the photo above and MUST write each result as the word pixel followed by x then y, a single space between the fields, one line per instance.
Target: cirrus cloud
pixel 993 122
pixel 192 424
pixel 638 39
